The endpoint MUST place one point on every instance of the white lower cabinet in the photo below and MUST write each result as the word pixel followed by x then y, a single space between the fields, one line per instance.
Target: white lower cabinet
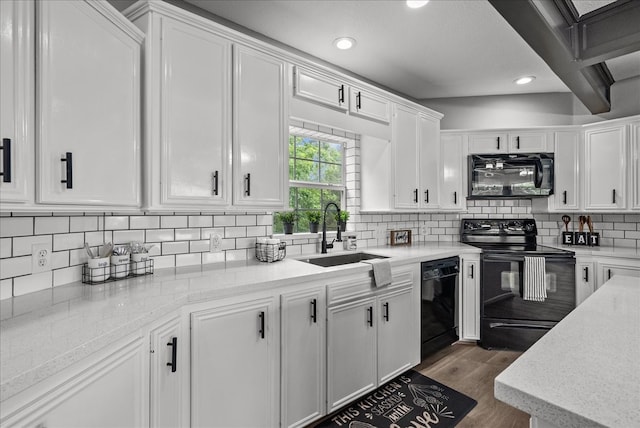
pixel 106 390
pixel 470 298
pixel 169 381
pixel 585 279
pixel 234 364
pixel 303 358
pixel 372 335
pixel 609 267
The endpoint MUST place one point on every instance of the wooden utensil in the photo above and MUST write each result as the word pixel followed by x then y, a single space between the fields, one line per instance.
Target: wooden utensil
pixel 566 219
pixel 589 224
pixel 581 225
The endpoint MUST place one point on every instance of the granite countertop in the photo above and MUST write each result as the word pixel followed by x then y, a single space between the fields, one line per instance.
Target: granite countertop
pixel 583 372
pixel 604 251
pixel 45 332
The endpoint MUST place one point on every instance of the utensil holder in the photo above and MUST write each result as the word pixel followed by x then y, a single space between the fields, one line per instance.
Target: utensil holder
pixel 138 265
pixel 99 269
pixel 120 266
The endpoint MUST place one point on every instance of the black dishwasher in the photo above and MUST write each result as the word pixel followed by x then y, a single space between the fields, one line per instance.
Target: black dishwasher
pixel 438 309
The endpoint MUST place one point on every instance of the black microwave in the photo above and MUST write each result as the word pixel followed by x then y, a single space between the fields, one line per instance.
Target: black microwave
pixel 510 176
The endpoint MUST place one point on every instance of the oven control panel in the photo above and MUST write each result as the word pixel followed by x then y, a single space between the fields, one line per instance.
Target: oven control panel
pixel 499 226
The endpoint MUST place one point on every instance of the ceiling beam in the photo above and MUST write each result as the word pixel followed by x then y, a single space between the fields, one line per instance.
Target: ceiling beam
pixel 609 32
pixel 544 27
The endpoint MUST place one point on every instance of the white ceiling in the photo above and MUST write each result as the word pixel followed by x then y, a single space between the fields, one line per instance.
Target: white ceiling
pixel 445 49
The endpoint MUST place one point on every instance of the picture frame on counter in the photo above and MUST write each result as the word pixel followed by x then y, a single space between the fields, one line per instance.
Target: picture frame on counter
pixel 400 237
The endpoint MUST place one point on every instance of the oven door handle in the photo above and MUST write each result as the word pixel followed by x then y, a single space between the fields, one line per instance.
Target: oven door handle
pixel 520 258
pixel 518 325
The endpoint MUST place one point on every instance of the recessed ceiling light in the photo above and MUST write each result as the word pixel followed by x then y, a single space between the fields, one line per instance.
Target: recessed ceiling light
pixel 524 80
pixel 414 4
pixel 344 43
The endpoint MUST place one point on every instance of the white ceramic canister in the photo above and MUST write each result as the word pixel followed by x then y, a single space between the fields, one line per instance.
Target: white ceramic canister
pixel 139 263
pixel 120 266
pixel 99 269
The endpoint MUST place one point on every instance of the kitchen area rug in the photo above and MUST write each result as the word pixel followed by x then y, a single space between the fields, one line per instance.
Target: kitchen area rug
pixel 409 400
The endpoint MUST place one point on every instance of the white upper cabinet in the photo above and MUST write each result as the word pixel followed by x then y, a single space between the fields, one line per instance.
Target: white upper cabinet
pixel 566 160
pixel 429 133
pixel 320 88
pixel 605 168
pixel 453 159
pixel 259 128
pixel 488 143
pixel 188 90
pixel 513 141
pixel 406 157
pixel 88 78
pixel 16 102
pixel 369 105
pixel 635 165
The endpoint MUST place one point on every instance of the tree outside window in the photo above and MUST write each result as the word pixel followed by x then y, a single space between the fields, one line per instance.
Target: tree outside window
pixel 316 177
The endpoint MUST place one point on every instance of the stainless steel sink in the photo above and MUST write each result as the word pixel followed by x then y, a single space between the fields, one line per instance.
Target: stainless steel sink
pixel 341 259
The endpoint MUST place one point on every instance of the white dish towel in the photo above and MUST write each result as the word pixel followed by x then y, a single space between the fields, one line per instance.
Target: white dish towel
pixel 381 271
pixel 534 285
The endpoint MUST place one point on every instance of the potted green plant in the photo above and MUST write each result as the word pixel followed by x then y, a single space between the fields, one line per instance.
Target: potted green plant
pixel 288 219
pixel 314 218
pixel 342 218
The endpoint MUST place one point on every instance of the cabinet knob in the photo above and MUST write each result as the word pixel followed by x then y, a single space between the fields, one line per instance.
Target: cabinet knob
pixel 6 160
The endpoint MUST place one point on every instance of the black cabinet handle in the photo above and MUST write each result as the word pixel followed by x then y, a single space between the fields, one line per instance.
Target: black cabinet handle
pixel 174 354
pixel 586 274
pixel 415 196
pixel 426 196
pixel 455 198
pixel 614 196
pixel 247 185
pixel 359 100
pixel 471 271
pixel 6 160
pixel 609 273
pixel 370 316
pixel 314 314
pixel 215 183
pixel 261 330
pixel 518 143
pixel 341 94
pixel 68 158
pixel 498 139
pixel 564 197
pixel 385 315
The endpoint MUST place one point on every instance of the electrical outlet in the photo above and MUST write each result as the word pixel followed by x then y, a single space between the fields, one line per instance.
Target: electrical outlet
pixel 215 243
pixel 423 230
pixel 40 258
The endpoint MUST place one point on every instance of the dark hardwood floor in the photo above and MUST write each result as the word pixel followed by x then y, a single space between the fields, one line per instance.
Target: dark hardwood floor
pixel 471 369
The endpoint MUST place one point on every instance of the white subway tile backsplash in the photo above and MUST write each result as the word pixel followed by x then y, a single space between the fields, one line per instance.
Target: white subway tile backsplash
pixel 16 266
pixel 116 223
pixel 161 262
pixel 188 259
pixel 235 232
pixel 199 246
pixel 187 234
pixel 49 225
pixel 97 238
pixel 31 283
pixel 160 235
pixel 175 221
pixel 67 275
pixel 83 224
pixel 175 247
pixel 68 241
pixel 224 221
pixel 144 222
pixel 200 221
pixel 213 257
pixel 236 255
pixel 5 248
pixel 6 288
pixel 128 236
pixel 256 231
pixel 59 259
pixel 246 220
pixel 16 226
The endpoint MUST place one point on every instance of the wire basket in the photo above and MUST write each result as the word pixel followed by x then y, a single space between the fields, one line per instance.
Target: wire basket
pixel 112 272
pixel 271 252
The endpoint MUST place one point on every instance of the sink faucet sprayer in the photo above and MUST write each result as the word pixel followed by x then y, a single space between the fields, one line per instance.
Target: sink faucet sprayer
pixel 324 229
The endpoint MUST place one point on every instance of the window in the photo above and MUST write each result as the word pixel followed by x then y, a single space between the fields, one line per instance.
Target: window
pixel 316 176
